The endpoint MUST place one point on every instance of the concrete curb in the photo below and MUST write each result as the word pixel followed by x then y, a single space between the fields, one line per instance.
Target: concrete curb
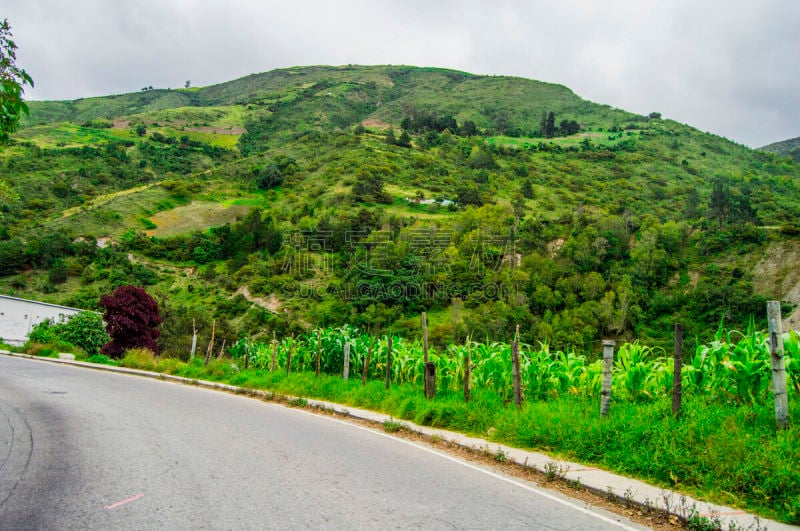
pixel 626 490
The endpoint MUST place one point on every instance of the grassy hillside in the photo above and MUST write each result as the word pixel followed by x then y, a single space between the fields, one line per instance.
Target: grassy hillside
pixel 325 195
pixel 787 148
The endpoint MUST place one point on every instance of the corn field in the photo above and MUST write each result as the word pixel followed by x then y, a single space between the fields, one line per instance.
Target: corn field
pixel 734 367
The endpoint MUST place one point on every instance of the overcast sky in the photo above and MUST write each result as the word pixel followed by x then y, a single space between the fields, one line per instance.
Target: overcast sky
pixel 730 67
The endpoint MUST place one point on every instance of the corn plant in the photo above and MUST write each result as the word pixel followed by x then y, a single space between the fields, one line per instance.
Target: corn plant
pixel 493 367
pixel 733 366
pixel 746 377
pixel 634 371
pixel 791 349
pixel 535 368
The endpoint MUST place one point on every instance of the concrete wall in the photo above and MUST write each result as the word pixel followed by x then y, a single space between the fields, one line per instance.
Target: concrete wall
pixel 19 316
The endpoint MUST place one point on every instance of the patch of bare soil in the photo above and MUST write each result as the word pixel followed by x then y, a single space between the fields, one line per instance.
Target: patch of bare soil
pixel 218 130
pixel 375 123
pixel 190 271
pixel 777 276
pixel 272 303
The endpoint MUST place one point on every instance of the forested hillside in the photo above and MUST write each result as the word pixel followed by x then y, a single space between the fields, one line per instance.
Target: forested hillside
pixel 365 195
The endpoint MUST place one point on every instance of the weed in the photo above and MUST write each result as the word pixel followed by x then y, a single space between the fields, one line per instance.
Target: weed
pixel 575 484
pixel 500 456
pixel 298 402
pixel 554 470
pixel 393 426
pixel 627 497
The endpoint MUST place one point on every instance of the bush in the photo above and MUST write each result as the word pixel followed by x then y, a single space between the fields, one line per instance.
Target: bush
pixel 83 331
pixel 86 330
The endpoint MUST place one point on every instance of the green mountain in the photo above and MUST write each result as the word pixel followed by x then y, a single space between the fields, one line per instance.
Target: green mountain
pixel 787 148
pixel 367 194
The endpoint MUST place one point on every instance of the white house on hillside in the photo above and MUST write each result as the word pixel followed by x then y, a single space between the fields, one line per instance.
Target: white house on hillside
pixel 19 316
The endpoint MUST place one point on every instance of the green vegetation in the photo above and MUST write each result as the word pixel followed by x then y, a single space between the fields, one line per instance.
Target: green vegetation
pixel 12 85
pixel 507 202
pixel 786 148
pixel 84 332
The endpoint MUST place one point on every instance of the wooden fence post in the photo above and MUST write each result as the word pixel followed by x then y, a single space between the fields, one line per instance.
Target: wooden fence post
pixel 289 356
pixel 677 382
pixel 221 350
pixel 467 373
pixel 346 368
pixel 366 361
pixel 608 366
pixel 427 378
pixel 430 380
pixel 778 364
pixel 515 369
pixel 211 343
pixel 319 349
pixel 388 361
pixel 424 337
pixel 194 340
pixel 274 353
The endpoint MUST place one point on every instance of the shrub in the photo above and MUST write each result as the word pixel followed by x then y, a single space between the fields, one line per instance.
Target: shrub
pixel 86 330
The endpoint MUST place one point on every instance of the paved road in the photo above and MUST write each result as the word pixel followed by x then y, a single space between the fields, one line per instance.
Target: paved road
pixel 89 449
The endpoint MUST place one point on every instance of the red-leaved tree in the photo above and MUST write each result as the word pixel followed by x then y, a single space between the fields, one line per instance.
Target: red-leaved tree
pixel 132 318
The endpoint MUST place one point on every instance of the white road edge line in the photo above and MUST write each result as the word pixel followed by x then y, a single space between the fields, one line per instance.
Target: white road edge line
pixel 475 468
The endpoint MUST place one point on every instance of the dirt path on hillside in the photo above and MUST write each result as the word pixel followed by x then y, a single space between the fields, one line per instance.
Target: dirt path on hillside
pixel 190 271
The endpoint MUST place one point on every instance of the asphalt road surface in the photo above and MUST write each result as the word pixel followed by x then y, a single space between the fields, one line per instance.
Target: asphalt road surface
pixel 85 449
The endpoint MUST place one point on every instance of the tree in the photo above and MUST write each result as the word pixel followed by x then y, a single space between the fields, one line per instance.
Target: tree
pixel 481 159
pixel 692 203
pixel 270 177
pixel 369 187
pixel 188 84
pixel 132 318
pixel 12 85
pixel 141 130
pixel 404 140
pixel 58 272
pixel 468 128
pixel 569 127
pixel 719 206
pixel 550 125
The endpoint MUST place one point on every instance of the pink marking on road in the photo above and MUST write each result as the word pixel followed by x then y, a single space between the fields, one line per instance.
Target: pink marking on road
pixel 724 513
pixel 123 502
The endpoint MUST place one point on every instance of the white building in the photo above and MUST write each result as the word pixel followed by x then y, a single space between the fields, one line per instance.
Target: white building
pixel 19 316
